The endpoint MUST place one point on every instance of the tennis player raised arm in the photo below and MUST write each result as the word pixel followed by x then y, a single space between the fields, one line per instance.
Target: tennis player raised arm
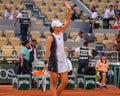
pixel 50 38
pixel 68 17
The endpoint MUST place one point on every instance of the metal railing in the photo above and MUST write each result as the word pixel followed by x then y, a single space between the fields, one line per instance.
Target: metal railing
pixel 112 56
pixel 82 7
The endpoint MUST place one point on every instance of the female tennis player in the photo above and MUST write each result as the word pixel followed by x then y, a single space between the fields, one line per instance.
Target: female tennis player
pixel 54 52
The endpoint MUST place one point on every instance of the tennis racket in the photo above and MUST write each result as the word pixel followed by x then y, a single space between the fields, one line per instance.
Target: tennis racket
pixel 44 81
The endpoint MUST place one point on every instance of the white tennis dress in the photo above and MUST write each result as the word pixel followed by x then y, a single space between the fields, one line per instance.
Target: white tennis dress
pixel 57 56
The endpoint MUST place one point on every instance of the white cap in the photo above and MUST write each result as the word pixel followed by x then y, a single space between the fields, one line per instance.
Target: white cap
pixel 56 23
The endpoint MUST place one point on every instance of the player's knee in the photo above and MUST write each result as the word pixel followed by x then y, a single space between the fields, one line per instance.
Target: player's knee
pixel 65 82
pixel 54 83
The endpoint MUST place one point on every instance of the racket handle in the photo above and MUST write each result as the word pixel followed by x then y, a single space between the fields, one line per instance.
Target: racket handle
pixel 45 72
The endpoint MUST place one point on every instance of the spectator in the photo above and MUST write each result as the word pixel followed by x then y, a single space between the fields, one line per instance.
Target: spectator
pixel 117 22
pixel 25 55
pixel 80 37
pixel 108 16
pixel 116 10
pixel 25 21
pixel 102 67
pixel 32 50
pixel 118 44
pixel 93 21
pixel 9 14
pixel 75 14
pixel 85 53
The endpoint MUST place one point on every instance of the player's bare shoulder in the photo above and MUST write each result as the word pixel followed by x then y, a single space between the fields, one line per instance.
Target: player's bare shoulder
pixel 50 39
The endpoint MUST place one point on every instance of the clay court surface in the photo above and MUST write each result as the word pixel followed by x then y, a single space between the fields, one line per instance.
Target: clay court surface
pixel 7 90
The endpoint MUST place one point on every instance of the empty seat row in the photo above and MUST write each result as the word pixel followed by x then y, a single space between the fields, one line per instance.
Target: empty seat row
pixel 15 2
pixel 97 1
pixel 8 51
pixel 12 40
pixel 108 36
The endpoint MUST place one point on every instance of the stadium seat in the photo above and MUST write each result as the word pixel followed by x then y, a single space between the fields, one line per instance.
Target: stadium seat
pixel 23 1
pixel 101 5
pixel 107 4
pixel 108 45
pixel 50 16
pixel 54 9
pixel 99 37
pixel 9 33
pixel 14 41
pixel 64 9
pixel 59 3
pixel 2 6
pixel 46 34
pixel 38 22
pixel 3 41
pixel 112 1
pixel 2 13
pixel 18 49
pixel 95 1
pixel 61 15
pixel 73 35
pixel 78 20
pixel 41 43
pixel 70 1
pixel 111 37
pixel 77 9
pixel 69 40
pixel 39 40
pixel 66 50
pixel 105 1
pixel 44 9
pixel 16 2
pixel 35 34
pixel 91 4
pixel 84 17
pixel 6 47
pixel 38 3
pixel 5 2
pixel 48 3
pixel 75 54
pixel 7 51
pixel 86 1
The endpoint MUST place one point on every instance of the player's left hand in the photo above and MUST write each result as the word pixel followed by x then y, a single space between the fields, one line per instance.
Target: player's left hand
pixel 67 5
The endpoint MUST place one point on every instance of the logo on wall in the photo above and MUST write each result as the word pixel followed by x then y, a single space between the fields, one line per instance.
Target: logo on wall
pixel 6 73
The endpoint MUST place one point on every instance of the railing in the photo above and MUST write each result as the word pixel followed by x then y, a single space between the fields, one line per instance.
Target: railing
pixel 82 7
pixel 112 56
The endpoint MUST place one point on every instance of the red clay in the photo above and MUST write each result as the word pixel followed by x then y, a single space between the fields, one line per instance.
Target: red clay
pixel 7 90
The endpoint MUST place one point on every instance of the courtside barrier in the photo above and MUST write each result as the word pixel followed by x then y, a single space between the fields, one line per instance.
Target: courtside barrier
pixel 21 82
pixel 86 81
